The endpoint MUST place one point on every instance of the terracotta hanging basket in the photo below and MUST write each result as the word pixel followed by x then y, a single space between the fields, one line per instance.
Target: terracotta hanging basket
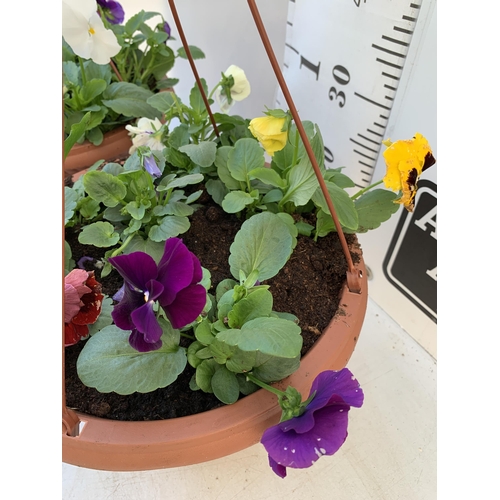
pixel 115 144
pixel 125 446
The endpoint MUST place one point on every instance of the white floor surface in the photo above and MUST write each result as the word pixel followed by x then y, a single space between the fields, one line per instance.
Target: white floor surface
pixel 390 453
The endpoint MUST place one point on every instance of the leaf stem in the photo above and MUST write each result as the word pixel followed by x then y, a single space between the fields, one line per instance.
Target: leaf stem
pixel 265 386
pixel 82 71
pixel 296 148
pixel 122 247
pixel 364 190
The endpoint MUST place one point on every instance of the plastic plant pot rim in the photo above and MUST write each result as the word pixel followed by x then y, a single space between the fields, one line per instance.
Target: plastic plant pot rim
pixel 81 156
pixel 112 445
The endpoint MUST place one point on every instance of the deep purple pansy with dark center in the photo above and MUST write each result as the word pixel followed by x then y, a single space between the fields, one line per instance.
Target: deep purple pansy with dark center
pixel 112 10
pixel 320 430
pixel 173 283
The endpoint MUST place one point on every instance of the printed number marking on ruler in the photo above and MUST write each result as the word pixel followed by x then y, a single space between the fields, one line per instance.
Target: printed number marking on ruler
pixel 343 63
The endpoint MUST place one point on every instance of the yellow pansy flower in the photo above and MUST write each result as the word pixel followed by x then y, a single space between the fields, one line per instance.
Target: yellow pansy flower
pixel 267 130
pixel 405 161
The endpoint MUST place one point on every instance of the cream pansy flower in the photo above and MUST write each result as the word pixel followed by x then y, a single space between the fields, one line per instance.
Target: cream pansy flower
pixel 147 133
pixel 84 31
pixel 239 90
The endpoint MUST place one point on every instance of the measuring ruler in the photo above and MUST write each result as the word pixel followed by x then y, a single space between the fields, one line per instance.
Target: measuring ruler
pixel 343 63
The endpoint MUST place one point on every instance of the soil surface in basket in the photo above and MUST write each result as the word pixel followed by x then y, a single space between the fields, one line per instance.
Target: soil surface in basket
pixel 308 286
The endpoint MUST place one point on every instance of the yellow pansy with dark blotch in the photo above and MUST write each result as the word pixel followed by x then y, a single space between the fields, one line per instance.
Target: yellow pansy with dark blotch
pixel 405 161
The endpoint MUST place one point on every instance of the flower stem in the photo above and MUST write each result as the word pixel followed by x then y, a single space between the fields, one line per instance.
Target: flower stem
pixel 115 69
pixel 296 148
pixel 179 109
pixel 82 71
pixel 258 382
pixel 125 243
pixel 364 190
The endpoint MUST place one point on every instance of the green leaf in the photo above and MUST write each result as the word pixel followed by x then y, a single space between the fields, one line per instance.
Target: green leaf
pixel 274 368
pixel 166 83
pixel 129 99
pixel 246 155
pixel 246 387
pixel 183 181
pixel 258 303
pixel 173 208
pixel 110 364
pixel 204 373
pixel 70 199
pixel 342 202
pixel 89 208
pixel 374 207
pixel 196 100
pixel 77 130
pixel 225 386
pixel 216 189
pixel 268 176
pixel 179 136
pixel 324 224
pixel 263 243
pixel 236 201
pixel 153 248
pixel 69 263
pixel 196 53
pixel 304 228
pixel 222 169
pixel 136 209
pixel 170 226
pixel 302 183
pixel 100 234
pixel 162 101
pixel 135 22
pixel 90 90
pixel 192 358
pixel 338 178
pixel 223 287
pixel 203 332
pixel 272 196
pixel 273 336
pixel 105 188
pixel 202 154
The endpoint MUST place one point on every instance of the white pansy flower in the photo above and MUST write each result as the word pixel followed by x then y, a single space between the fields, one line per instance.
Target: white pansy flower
pixel 239 91
pixel 147 133
pixel 83 30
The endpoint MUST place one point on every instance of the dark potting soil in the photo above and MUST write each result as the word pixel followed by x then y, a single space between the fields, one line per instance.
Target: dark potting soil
pixel 308 286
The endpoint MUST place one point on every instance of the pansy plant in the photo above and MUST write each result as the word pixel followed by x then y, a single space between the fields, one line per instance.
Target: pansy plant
pixel 140 352
pixel 137 206
pixel 246 185
pixel 242 332
pixel 111 67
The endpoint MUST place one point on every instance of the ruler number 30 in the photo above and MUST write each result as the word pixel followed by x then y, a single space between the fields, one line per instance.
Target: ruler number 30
pixel 342 77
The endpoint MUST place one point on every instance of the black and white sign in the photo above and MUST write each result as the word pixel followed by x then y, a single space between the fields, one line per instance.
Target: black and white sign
pixel 411 261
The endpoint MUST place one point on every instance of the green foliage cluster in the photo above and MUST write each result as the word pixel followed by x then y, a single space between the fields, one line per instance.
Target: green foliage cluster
pixel 123 208
pixel 238 332
pixel 244 184
pixel 96 100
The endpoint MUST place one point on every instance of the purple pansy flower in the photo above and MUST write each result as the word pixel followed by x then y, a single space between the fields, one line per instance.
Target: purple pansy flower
pixel 167 29
pixel 320 430
pixel 112 10
pixel 173 284
pixel 151 166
